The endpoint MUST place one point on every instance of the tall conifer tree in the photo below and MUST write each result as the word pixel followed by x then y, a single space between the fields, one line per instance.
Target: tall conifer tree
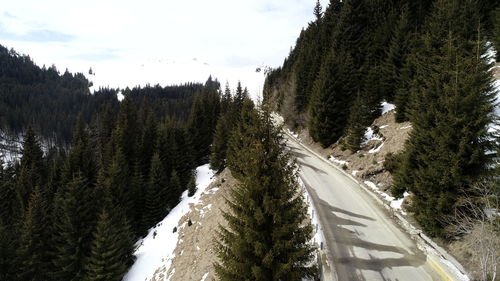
pixel 105 260
pixel 32 253
pixel 267 237
pixel 445 154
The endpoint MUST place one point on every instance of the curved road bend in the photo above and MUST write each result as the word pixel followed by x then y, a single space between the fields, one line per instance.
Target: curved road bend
pixel 363 242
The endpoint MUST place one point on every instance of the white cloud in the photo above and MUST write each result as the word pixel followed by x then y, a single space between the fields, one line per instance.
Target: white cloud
pixel 116 37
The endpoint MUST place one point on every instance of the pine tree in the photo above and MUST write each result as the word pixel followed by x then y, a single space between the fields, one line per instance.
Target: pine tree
pixel 445 154
pixel 192 184
pixel 105 260
pixel 266 237
pixel 154 209
pixel 33 241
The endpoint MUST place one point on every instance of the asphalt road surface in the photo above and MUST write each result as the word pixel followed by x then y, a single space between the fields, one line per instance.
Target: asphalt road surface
pixel 362 240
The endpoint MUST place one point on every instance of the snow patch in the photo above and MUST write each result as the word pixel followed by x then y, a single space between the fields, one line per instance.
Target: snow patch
pixel 376 149
pixel 490 53
pixel 355 172
pixel 405 127
pixel 457 272
pixel 370 135
pixel 393 202
pixel 277 119
pixel 384 126
pixel 338 161
pixel 204 277
pixel 386 107
pixel 157 248
pixel 292 133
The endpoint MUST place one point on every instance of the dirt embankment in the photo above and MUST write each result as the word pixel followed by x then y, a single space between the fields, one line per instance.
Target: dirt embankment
pixel 368 163
pixel 194 253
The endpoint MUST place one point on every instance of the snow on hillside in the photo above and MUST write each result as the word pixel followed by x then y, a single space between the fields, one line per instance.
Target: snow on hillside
pixel 10 148
pixel 157 248
pixel 370 135
pixel 174 71
pixel 386 107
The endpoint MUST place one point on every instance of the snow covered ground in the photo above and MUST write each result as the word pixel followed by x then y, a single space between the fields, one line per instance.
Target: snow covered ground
pixel 157 248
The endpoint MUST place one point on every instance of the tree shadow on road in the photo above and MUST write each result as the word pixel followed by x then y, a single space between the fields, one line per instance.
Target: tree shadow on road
pixel 345 245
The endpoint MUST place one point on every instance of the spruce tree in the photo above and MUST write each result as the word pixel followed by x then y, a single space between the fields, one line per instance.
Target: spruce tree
pixel 120 183
pixel 219 146
pixel 192 184
pixel 240 138
pixel 154 208
pixel 32 169
pixel 396 57
pixel 174 190
pixel 11 207
pixel 332 92
pixel 357 124
pixel 201 124
pixel 445 154
pixel 81 158
pixel 105 260
pixel 138 188
pixel 496 32
pixel 149 141
pixel 7 253
pixel 183 161
pixel 267 237
pixel 125 134
pixel 318 10
pixel 73 224
pixel 33 241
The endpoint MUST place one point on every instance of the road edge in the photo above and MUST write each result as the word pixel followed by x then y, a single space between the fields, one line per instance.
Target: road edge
pixel 437 257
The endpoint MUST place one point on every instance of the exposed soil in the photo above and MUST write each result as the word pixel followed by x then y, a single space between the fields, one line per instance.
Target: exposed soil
pixel 363 164
pixel 194 253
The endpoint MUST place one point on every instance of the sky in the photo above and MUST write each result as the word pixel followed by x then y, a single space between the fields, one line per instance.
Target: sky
pixel 129 43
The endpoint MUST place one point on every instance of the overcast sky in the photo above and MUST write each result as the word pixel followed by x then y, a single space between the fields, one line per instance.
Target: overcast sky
pixel 156 41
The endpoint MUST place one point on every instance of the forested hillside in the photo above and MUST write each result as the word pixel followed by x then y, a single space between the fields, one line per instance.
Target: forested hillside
pixel 429 59
pixel 51 102
pixel 75 213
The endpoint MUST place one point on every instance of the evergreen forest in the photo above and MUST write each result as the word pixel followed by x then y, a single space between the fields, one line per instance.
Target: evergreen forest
pixel 428 57
pixel 74 210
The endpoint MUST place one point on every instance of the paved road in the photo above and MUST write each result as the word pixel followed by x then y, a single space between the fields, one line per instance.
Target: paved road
pixel 362 239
